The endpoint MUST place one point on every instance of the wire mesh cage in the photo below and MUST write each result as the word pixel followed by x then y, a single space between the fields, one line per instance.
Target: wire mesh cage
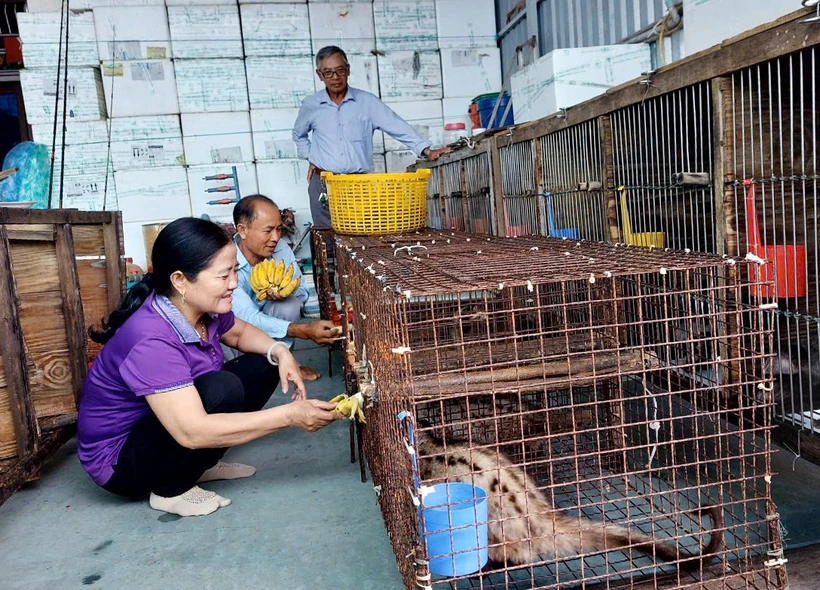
pixel 606 409
pixel 771 151
pixel 518 184
pixel 434 219
pixel 479 204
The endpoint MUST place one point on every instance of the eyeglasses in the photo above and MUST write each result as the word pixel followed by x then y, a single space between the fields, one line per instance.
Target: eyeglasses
pixel 337 73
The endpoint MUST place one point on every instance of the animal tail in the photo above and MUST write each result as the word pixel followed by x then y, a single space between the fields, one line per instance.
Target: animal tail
pixel 618 537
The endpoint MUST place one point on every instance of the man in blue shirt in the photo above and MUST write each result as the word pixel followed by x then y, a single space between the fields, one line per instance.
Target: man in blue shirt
pixel 259 232
pixel 334 129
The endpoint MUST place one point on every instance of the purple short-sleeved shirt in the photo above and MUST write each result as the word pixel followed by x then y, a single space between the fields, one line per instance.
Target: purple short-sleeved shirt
pixel 156 350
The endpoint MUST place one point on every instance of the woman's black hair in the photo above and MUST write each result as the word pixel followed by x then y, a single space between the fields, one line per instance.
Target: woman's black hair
pixel 187 245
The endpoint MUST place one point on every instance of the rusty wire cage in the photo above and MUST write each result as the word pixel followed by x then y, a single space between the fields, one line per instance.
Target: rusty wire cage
pixel 771 151
pixel 479 205
pixel 522 210
pixel 591 390
pixel 434 218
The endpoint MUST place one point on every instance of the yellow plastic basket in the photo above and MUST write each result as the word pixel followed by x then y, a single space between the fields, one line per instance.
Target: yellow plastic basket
pixel 373 204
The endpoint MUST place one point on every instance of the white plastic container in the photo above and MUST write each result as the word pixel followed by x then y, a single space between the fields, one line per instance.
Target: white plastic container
pixel 454 131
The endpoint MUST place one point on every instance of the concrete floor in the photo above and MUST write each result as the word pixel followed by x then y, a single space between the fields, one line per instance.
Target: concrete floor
pixel 305 521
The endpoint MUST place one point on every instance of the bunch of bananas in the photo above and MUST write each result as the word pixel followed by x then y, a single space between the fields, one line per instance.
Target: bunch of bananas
pixel 350 406
pixel 270 279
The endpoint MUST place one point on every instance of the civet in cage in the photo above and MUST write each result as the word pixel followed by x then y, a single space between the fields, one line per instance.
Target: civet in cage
pixel 571 413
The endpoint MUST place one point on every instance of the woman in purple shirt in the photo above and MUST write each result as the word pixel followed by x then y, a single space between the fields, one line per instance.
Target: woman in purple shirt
pixel 159 408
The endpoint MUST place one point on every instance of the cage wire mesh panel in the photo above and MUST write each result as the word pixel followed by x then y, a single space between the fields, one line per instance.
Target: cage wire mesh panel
pixel 574 204
pixel 521 207
pixel 453 190
pixel 603 397
pixel 479 218
pixel 772 160
pixel 662 154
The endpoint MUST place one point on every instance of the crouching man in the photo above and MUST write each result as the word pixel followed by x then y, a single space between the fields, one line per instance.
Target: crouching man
pixel 259 232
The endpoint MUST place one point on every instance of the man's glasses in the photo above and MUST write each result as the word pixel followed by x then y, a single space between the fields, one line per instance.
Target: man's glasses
pixel 337 73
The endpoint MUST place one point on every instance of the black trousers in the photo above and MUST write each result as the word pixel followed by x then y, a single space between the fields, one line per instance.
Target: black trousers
pixel 152 461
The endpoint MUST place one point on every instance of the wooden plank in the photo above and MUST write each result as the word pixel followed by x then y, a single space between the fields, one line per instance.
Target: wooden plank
pixel 496 189
pixel 88 240
pixel 35 267
pixel 54 422
pixel 780 37
pixel 8 437
pixel 115 262
pixel 54 216
pixel 720 126
pixel 16 473
pixel 91 275
pixel 11 335
pixel 72 308
pixel 42 232
pixel 605 132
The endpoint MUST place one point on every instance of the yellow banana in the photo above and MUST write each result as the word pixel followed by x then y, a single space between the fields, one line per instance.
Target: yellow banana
pixel 288 275
pixel 277 275
pixel 257 284
pixel 270 267
pixel 290 287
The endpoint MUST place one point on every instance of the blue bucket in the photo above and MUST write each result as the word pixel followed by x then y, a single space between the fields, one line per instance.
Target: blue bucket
pixel 455 521
pixel 486 103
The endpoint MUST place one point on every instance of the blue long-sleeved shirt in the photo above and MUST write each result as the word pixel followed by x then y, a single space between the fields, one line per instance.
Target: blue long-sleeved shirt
pixel 246 307
pixel 339 138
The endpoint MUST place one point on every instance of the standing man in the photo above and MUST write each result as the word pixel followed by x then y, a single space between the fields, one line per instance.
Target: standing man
pixel 259 232
pixel 342 121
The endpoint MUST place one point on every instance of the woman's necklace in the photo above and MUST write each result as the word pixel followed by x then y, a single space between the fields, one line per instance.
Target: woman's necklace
pixel 203 332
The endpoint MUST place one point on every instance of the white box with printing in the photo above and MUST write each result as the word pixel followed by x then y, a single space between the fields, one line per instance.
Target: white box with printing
pixel 125 33
pixel 153 193
pixel 146 142
pixel 217 138
pixel 40 33
pixel 274 31
pixel 566 77
pixel 205 31
pixel 214 204
pixel 86 146
pixel 140 88
pixel 284 181
pixel 86 192
pixel 272 133
pixel 84 95
pixel 279 82
pixel 348 25
pixel 465 23
pixel 410 75
pixel 402 25
pixel 398 161
pixel 211 85
pixel 424 116
pixel 470 72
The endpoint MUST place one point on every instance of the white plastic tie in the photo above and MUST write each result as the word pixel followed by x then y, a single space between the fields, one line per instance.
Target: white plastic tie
pixel 592 278
pixel 364 317
pixel 764 387
pixel 534 249
pixel 400 350
pixel 500 286
pixel 776 562
pixel 686 250
pixel 662 271
pixel 425 491
pixel 607 274
pixel 768 306
pixel 530 288
pixel 408 294
pixel 755 258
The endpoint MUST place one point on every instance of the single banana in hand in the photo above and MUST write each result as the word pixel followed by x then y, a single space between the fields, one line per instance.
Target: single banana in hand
pixel 279 270
pixel 288 276
pixel 290 287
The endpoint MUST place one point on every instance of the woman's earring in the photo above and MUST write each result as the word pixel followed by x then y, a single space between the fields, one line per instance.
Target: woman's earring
pixel 183 298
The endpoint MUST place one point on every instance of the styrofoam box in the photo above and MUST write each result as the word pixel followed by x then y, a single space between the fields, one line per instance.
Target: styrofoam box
pixel 140 88
pixel 77 5
pixel 344 24
pixel 566 77
pixel 410 75
pixel 271 31
pixel 205 31
pixel 153 193
pixel 211 85
pixel 134 240
pixel 146 142
pixel 124 33
pixel 84 97
pixel 470 72
pixel 217 138
pixel 200 2
pixel 426 118
pixel 39 33
pixel 279 82
pixel 465 23
pixel 86 146
pixel 364 73
pixel 379 164
pixel 378 142
pixel 284 181
pixel 273 1
pixel 710 22
pixel 198 185
pixel 398 161
pixel 403 25
pixel 272 133
pixel 456 110
pixel 86 192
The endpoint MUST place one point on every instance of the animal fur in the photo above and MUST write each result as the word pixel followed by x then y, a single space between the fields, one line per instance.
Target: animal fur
pixel 522 524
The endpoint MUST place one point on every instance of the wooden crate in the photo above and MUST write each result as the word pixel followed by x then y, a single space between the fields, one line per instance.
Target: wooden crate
pixel 61 271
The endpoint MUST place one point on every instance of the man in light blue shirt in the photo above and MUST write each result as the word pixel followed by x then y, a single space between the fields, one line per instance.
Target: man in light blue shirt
pixel 259 232
pixel 334 129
